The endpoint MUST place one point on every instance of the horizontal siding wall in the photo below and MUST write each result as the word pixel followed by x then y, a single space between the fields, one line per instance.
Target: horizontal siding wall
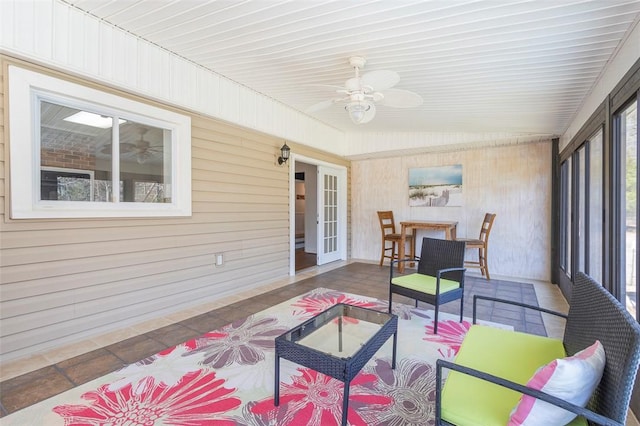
pixel 512 181
pixel 66 280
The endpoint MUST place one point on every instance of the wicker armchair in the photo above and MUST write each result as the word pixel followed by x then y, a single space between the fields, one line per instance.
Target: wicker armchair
pixel 440 276
pixel 594 314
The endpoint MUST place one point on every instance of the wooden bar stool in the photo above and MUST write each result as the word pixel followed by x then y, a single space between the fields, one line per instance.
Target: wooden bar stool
pixel 482 244
pixel 390 238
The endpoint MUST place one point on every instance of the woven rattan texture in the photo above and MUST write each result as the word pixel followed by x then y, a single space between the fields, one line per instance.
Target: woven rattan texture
pixel 343 369
pixel 594 314
pixel 311 358
pixel 441 254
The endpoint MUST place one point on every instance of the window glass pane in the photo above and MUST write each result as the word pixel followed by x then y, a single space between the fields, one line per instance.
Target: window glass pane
pixel 566 216
pixel 595 206
pixel 581 217
pixel 73 159
pixel 562 226
pixel 145 163
pixel 628 131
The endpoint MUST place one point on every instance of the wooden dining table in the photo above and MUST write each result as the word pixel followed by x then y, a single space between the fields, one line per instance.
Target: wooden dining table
pixel 449 228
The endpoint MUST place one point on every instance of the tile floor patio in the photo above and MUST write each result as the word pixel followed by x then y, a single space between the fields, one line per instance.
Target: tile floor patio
pixel 27 382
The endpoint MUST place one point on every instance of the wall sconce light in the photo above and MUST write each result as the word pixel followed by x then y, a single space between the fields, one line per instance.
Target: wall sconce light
pixel 284 154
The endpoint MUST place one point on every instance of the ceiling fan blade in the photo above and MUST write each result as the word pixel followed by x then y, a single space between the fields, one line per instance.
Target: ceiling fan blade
pixel 125 148
pixel 332 87
pixel 380 80
pixel 398 98
pixel 368 116
pixel 319 106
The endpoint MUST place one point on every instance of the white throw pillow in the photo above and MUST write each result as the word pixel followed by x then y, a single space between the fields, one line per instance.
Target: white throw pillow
pixel 572 379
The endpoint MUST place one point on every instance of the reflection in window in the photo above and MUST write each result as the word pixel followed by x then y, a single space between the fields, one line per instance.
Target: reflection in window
pixel 77 151
pixel 628 120
pixel 65 184
pixel 596 206
pixel 565 217
pixel 149 192
pixel 581 184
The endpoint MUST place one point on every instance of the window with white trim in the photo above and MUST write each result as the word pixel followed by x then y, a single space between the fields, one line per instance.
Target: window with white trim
pixel 80 152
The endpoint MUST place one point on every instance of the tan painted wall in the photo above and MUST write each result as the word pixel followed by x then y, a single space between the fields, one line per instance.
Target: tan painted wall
pixel 512 181
pixel 66 280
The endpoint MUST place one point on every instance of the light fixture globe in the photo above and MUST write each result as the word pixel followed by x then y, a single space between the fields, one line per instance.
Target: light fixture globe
pixel 284 154
pixel 357 110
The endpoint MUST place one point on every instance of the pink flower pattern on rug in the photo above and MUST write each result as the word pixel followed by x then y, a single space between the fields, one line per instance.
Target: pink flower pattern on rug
pixel 190 384
pixel 450 333
pixel 316 399
pixel 198 399
pixel 316 303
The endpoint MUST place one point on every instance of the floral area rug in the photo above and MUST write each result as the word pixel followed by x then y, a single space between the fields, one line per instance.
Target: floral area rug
pixel 226 377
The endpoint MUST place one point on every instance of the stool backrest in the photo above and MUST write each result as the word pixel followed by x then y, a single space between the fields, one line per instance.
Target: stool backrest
pixel 487 224
pixel 387 224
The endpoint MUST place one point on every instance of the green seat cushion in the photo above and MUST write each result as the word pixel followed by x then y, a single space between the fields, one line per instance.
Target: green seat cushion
pixel 424 283
pixel 508 354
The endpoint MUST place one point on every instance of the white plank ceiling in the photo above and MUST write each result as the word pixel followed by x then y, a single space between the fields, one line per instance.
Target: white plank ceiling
pixel 480 65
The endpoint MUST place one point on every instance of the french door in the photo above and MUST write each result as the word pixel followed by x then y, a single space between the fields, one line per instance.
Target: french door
pixel 331 217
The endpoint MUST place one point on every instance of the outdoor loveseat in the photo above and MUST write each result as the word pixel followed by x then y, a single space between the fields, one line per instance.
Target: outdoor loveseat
pixel 487 379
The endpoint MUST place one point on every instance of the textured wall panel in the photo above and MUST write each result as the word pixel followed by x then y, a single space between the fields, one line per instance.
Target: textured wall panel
pixel 513 182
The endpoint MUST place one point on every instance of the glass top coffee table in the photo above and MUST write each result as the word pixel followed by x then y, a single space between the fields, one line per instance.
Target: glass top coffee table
pixel 337 342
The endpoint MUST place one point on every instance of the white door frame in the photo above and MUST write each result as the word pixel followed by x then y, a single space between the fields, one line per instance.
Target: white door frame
pixel 342 211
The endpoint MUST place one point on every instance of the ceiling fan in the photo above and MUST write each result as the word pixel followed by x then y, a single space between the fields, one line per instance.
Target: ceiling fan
pixel 360 94
pixel 142 149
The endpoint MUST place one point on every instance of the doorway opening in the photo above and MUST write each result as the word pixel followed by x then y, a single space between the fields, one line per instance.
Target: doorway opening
pixel 317 213
pixel 306 212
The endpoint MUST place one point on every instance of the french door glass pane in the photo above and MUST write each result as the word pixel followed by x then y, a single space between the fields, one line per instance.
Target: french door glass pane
pixel 628 132
pixel 595 206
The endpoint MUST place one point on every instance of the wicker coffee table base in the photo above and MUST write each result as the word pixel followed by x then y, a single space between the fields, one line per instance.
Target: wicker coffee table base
pixel 343 369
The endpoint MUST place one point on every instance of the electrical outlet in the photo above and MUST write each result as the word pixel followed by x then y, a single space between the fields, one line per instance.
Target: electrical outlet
pixel 219 259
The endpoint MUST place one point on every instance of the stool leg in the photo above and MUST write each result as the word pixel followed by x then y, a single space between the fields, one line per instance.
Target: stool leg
pixel 483 263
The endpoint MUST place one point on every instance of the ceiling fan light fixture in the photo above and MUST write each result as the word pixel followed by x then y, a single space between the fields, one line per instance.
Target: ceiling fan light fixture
pixel 361 94
pixel 142 157
pixel 357 110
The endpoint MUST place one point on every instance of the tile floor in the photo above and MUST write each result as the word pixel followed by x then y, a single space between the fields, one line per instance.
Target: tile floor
pixel 26 382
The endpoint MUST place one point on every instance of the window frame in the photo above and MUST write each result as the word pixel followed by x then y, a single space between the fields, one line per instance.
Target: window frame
pixel 27 89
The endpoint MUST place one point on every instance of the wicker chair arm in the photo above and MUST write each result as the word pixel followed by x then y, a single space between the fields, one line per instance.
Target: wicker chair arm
pixel 440 364
pixel 511 302
pixel 445 270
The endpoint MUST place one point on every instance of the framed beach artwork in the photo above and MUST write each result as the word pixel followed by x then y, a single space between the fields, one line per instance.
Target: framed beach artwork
pixel 436 186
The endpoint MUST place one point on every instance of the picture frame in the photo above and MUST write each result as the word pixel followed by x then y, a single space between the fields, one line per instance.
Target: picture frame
pixel 439 186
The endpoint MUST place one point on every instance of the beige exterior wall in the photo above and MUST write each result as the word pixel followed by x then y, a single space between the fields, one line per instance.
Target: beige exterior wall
pixel 512 181
pixel 67 280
